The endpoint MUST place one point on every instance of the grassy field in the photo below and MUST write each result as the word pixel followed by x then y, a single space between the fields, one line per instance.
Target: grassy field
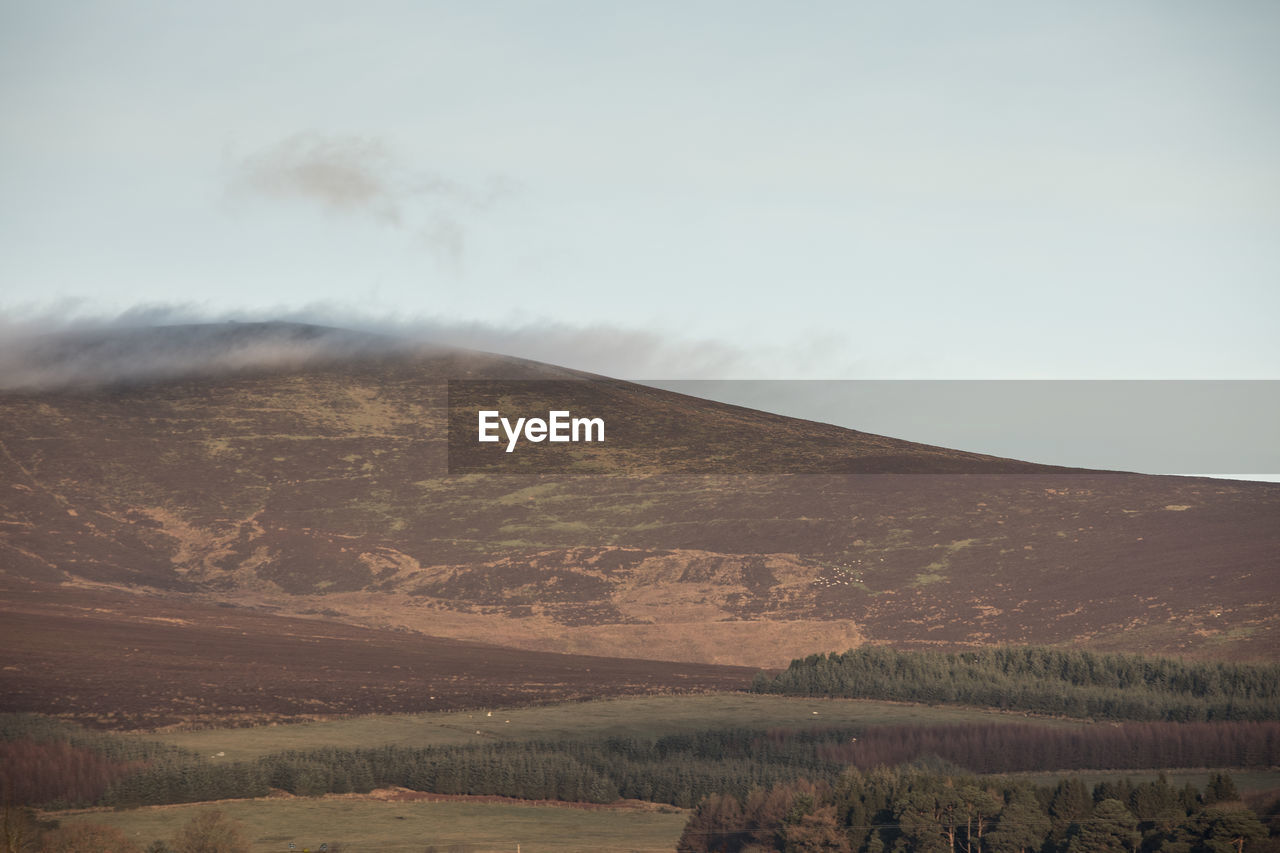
pixel 650 716
pixel 364 825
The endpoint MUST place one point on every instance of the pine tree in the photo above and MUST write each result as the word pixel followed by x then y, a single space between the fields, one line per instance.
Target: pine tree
pixel 1070 803
pixel 1022 826
pixel 926 817
pixel 1111 829
pixel 1225 831
pixel 1221 789
pixel 715 826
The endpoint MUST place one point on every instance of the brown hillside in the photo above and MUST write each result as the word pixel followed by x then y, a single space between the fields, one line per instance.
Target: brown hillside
pixel 116 660
pixel 323 488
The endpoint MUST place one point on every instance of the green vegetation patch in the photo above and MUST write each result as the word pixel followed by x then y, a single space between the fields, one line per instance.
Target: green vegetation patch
pixel 365 825
pixel 930 576
pixel 645 716
pixel 682 769
pixel 1042 680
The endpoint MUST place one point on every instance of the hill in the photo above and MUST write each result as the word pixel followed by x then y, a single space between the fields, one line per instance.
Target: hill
pixel 312 480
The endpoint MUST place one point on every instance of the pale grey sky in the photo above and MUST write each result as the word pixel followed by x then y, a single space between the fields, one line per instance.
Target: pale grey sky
pixel 711 189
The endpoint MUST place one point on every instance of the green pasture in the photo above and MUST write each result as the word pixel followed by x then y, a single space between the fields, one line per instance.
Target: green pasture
pixel 364 825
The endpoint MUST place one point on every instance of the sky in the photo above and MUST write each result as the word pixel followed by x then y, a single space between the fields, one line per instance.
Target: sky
pixel 691 190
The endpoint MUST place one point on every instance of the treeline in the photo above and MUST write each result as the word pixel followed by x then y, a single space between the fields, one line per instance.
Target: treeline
pixel 60 771
pixel 61 765
pixel 56 772
pixel 920 811
pixel 681 769
pixel 56 764
pixel 1013 748
pixel 1042 680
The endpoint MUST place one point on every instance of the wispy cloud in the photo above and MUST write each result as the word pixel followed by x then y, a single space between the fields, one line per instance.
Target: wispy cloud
pixel 607 349
pixel 87 355
pixel 347 174
pixel 65 349
pixel 361 176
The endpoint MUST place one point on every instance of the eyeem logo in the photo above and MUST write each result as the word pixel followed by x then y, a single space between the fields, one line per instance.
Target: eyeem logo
pixel 558 427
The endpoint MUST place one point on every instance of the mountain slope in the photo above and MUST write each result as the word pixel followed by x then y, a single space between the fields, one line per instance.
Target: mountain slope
pixel 321 484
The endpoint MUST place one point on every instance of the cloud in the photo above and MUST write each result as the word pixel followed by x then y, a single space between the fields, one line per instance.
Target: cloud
pixel 606 349
pixel 88 356
pixel 1072 423
pixel 360 176
pixel 347 174
pixel 151 342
